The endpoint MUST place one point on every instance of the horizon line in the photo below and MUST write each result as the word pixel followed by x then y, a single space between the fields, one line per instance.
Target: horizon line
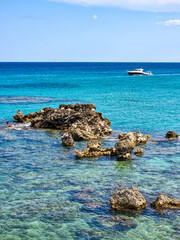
pixel 89 62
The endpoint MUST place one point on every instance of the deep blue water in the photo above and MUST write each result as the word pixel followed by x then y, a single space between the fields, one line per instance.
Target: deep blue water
pixel 45 193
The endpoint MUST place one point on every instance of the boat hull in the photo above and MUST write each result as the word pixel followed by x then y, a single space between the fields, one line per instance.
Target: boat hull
pixel 135 73
pixel 139 73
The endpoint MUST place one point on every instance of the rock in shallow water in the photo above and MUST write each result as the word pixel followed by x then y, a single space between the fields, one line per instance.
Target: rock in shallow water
pixel 67 140
pixel 123 149
pixel 81 120
pixel 163 202
pixel 127 200
pixel 94 149
pixel 139 152
pixel 136 138
pixel 171 135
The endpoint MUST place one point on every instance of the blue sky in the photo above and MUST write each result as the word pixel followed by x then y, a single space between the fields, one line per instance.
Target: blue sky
pixel 90 30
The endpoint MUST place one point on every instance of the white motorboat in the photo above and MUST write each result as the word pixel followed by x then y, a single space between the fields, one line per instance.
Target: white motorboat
pixel 139 71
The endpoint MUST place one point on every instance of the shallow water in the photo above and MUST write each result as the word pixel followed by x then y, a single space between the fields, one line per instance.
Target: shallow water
pixel 46 193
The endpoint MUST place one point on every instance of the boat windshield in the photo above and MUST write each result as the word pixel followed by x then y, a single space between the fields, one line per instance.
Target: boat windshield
pixel 140 69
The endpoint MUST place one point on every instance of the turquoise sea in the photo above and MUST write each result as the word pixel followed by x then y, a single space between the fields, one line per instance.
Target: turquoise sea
pixel 45 193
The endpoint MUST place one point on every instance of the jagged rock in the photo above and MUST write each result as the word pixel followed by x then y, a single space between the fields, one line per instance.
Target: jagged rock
pixel 136 138
pixel 94 145
pixel 123 149
pixel 67 140
pixel 139 151
pixel 81 120
pixel 127 200
pixel 164 202
pixel 18 117
pixel 171 135
pixel 94 149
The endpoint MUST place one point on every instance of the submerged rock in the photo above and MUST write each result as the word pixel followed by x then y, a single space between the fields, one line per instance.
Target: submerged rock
pixel 123 149
pixel 128 199
pixel 94 149
pixel 82 196
pixel 109 221
pixel 67 140
pixel 163 202
pixel 81 120
pixel 171 135
pixel 136 138
pixel 139 152
pixel 93 205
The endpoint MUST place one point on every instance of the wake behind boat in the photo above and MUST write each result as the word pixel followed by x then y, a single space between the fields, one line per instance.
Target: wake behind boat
pixel 139 71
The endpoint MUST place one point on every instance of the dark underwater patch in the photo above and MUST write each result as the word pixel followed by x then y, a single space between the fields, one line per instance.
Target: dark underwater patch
pixel 40 85
pixel 31 99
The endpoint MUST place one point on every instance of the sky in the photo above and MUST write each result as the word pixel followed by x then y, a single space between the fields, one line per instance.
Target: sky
pixel 90 30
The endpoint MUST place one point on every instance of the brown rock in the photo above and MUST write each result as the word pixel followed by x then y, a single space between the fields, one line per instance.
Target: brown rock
pixel 139 151
pixel 171 135
pixel 81 120
pixel 18 117
pixel 67 140
pixel 127 200
pixel 123 149
pixel 163 202
pixel 136 138
pixel 94 150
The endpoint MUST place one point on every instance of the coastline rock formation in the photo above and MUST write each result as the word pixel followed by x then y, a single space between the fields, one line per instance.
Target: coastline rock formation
pixel 67 140
pixel 81 120
pixel 136 138
pixel 127 200
pixel 163 202
pixel 171 135
pixel 94 149
pixel 123 149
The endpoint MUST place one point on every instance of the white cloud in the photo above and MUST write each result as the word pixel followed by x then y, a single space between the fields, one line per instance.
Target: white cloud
pixel 170 22
pixel 146 5
pixel 95 17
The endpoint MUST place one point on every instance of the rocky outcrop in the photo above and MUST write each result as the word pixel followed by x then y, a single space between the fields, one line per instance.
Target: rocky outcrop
pixel 163 202
pixel 18 117
pixel 136 138
pixel 123 149
pixel 81 120
pixel 127 200
pixel 67 140
pixel 139 152
pixel 94 149
pixel 171 135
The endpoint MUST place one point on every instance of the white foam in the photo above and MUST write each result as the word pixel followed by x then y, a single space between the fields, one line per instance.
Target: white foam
pixel 20 126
